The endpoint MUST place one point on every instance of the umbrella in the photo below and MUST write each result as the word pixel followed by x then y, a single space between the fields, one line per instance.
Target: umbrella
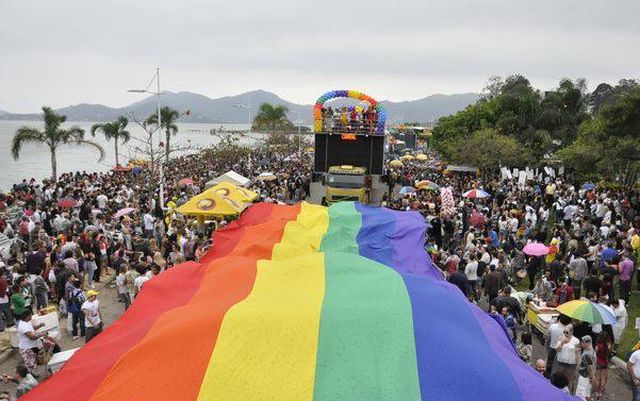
pixel 396 163
pixel 536 249
pixel 587 311
pixel 267 176
pixel 477 219
pixel 120 169
pixel 422 157
pixel 95 229
pixel 407 190
pixel 476 194
pixel 426 184
pixel 123 212
pixel 588 186
pixel 185 182
pixel 67 203
pixel 608 254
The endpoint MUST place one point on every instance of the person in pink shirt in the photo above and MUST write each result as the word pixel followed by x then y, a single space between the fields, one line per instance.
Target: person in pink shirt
pixel 625 268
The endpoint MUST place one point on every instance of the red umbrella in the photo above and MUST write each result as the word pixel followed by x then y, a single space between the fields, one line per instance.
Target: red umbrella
pixel 67 203
pixel 185 182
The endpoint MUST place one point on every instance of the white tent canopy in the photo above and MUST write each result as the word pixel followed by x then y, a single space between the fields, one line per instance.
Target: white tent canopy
pixel 231 177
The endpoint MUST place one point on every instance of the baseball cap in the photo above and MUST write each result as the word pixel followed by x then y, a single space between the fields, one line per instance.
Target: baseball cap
pixel 586 339
pixel 92 293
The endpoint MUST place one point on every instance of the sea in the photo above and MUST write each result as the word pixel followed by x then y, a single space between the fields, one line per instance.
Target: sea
pixel 35 161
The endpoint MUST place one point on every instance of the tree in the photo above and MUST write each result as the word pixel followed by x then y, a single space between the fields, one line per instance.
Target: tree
pixel 609 144
pixel 272 118
pixel 168 121
pixel 114 130
pixel 53 136
pixel 487 150
pixel 540 123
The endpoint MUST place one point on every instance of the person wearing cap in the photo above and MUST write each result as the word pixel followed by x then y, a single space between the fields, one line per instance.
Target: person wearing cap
pixel 92 315
pixel 586 369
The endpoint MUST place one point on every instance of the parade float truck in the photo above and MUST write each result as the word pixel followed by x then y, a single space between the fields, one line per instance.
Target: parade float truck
pixel 348 153
pixel 347 183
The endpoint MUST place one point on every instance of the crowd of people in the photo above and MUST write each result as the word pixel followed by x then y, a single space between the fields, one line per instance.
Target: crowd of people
pixel 68 235
pixel 593 248
pixel 61 250
pixel 349 119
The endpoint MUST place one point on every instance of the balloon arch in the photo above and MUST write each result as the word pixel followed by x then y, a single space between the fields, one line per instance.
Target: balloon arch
pixel 317 108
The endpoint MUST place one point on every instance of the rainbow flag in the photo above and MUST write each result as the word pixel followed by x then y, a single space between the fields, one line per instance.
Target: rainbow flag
pixel 302 303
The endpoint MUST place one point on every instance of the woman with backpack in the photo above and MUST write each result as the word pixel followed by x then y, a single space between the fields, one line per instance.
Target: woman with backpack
pixel 74 305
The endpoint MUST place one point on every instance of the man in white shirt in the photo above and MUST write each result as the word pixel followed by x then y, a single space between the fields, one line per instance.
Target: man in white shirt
pixel 139 282
pixel 556 331
pixel 28 340
pixel 471 271
pixel 102 200
pixel 92 315
pixel 148 220
pixel 633 367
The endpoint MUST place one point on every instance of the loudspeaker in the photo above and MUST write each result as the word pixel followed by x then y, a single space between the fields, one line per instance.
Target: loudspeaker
pixel 349 149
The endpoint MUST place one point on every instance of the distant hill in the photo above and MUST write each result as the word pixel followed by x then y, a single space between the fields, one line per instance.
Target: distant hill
pixel 237 109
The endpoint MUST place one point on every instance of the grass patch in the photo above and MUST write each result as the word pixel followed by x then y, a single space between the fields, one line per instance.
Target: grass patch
pixel 630 334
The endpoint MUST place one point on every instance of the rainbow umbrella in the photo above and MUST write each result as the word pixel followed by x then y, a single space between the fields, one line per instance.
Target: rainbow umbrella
pixel 303 302
pixel 587 311
pixel 476 194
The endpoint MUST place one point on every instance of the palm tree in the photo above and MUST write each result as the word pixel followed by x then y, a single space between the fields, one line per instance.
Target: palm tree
pixel 272 117
pixel 115 130
pixel 168 122
pixel 53 136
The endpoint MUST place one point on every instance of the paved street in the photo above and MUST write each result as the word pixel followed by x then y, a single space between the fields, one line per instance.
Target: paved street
pixel 111 311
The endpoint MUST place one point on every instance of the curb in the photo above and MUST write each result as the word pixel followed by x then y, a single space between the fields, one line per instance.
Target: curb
pixel 621 368
pixel 6 354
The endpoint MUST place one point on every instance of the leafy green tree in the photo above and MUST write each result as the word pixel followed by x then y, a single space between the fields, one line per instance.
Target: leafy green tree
pixel 541 123
pixel 487 150
pixel 53 136
pixel 114 130
pixel 272 118
pixel 168 117
pixel 609 144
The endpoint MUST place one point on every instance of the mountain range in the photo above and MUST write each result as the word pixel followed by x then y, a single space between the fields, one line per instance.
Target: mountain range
pixel 241 108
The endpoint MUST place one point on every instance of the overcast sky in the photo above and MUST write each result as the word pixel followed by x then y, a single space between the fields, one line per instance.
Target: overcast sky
pixel 66 52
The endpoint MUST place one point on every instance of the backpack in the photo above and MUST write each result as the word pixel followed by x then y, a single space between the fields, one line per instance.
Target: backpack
pixel 75 302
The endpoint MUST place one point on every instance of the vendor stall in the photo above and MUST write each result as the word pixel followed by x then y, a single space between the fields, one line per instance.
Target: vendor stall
pixel 540 316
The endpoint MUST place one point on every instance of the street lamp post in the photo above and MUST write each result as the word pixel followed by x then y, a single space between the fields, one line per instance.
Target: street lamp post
pixel 157 94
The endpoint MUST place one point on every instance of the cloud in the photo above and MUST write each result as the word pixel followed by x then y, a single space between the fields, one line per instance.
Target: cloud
pixel 72 51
